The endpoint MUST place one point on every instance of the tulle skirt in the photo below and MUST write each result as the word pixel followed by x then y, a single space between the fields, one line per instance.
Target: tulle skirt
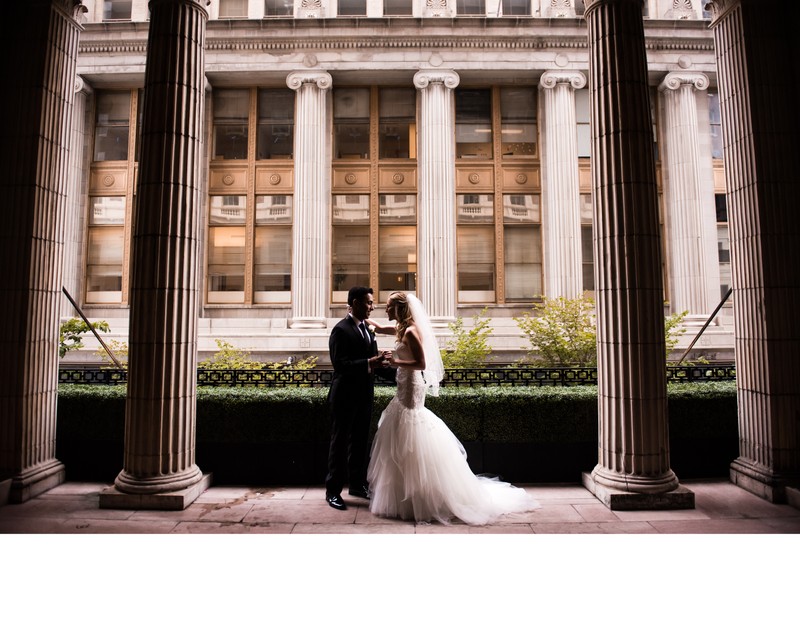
pixel 418 471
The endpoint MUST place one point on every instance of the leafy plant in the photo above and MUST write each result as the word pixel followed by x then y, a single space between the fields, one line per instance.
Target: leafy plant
pixel 561 332
pixel 468 348
pixel 71 331
pixel 120 351
pixel 229 357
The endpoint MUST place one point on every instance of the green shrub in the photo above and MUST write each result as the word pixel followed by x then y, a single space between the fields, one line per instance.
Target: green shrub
pixel 71 331
pixel 561 332
pixel 468 348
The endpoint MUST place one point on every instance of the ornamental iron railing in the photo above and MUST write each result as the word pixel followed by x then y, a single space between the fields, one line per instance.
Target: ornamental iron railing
pixel 486 376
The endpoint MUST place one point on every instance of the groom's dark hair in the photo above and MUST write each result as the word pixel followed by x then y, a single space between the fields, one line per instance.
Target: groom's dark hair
pixel 358 292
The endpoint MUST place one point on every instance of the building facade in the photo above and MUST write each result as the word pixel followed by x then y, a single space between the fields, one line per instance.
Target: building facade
pixel 438 147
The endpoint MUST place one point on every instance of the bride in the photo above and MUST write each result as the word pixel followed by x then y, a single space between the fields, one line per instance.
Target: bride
pixel 418 468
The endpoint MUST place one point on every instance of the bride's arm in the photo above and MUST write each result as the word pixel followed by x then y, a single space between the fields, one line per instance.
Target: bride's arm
pixel 414 344
pixel 381 329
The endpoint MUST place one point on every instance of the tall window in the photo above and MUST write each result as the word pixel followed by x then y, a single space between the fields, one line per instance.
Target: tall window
pixel 397 125
pixel 111 195
pixel 474 123
pixel 471 7
pixel 278 8
pixel 516 7
pixel 715 117
pixel 105 249
pixel 275 124
pixel 398 7
pixel 231 120
pixel 112 126
pixel 116 10
pixel 522 245
pixel 587 243
pixel 352 7
pixel 249 250
pixel 374 223
pixel 498 219
pixel 232 9
pixel 351 122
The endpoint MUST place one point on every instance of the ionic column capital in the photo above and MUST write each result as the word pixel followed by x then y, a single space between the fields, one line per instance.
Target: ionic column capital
pixel 424 78
pixel 593 4
pixel 321 79
pixel 719 8
pixel 675 80
pixel 552 78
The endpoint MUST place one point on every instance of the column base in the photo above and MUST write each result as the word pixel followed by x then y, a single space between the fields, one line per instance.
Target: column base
pixel 619 500
pixel 31 483
pixel 308 323
pixel 112 498
pixel 763 483
pixel 793 496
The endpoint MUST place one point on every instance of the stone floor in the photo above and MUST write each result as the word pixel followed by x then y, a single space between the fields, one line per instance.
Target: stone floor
pixel 720 508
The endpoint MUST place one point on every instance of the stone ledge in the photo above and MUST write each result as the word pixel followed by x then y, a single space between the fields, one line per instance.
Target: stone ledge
pixel 793 497
pixel 112 498
pixel 618 500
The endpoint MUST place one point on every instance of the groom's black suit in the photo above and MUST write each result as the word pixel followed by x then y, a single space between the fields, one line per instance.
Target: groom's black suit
pixel 350 399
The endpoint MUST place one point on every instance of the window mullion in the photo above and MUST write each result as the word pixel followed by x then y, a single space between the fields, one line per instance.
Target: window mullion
pixel 250 212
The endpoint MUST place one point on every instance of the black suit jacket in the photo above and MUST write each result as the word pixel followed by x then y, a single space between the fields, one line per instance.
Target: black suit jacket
pixel 350 354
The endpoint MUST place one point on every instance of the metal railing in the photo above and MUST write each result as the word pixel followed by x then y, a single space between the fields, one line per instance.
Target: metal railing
pixel 487 376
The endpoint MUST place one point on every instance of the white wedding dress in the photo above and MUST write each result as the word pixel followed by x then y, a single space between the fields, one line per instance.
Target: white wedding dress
pixel 418 468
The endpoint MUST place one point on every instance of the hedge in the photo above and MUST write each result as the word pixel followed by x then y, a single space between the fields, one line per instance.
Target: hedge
pixel 280 435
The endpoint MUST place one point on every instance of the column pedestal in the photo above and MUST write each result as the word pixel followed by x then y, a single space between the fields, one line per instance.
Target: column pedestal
pixel 177 500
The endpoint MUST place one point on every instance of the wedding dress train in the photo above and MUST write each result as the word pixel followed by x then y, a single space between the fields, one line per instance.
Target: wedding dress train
pixel 418 468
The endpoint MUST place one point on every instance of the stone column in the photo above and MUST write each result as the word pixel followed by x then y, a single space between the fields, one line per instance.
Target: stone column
pixel 75 219
pixel 633 469
pixel 759 74
pixel 690 218
pixel 311 261
pixel 436 163
pixel 561 185
pixel 159 468
pixel 35 115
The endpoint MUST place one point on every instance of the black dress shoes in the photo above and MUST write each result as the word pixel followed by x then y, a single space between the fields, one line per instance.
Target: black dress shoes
pixel 362 491
pixel 335 501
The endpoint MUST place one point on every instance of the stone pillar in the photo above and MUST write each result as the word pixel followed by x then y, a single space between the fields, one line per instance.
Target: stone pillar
pixel 561 185
pixel 39 74
pixel 436 164
pixel 159 468
pixel 75 220
pixel 690 217
pixel 759 74
pixel 311 260
pixel 633 469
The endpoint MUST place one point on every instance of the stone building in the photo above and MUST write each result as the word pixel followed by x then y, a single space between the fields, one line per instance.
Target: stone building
pixel 227 169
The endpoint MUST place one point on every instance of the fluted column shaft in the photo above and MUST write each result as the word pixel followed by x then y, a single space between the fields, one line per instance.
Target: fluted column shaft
pixel 312 199
pixel 561 186
pixel 691 225
pixel 39 68
pixel 436 164
pixel 633 440
pixel 162 376
pixel 758 63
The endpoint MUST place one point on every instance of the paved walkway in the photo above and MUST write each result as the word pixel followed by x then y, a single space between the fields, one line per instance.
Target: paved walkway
pixel 720 507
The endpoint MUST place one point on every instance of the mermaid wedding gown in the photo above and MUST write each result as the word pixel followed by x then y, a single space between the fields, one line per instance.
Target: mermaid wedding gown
pixel 418 468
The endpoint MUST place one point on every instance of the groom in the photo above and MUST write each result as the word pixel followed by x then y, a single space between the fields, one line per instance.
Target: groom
pixel 355 359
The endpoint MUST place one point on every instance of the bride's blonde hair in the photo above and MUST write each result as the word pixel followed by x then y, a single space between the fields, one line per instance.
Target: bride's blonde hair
pixel 403 312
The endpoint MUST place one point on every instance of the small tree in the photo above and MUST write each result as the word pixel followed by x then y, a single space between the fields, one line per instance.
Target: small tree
pixel 562 332
pixel 71 331
pixel 120 351
pixel 468 348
